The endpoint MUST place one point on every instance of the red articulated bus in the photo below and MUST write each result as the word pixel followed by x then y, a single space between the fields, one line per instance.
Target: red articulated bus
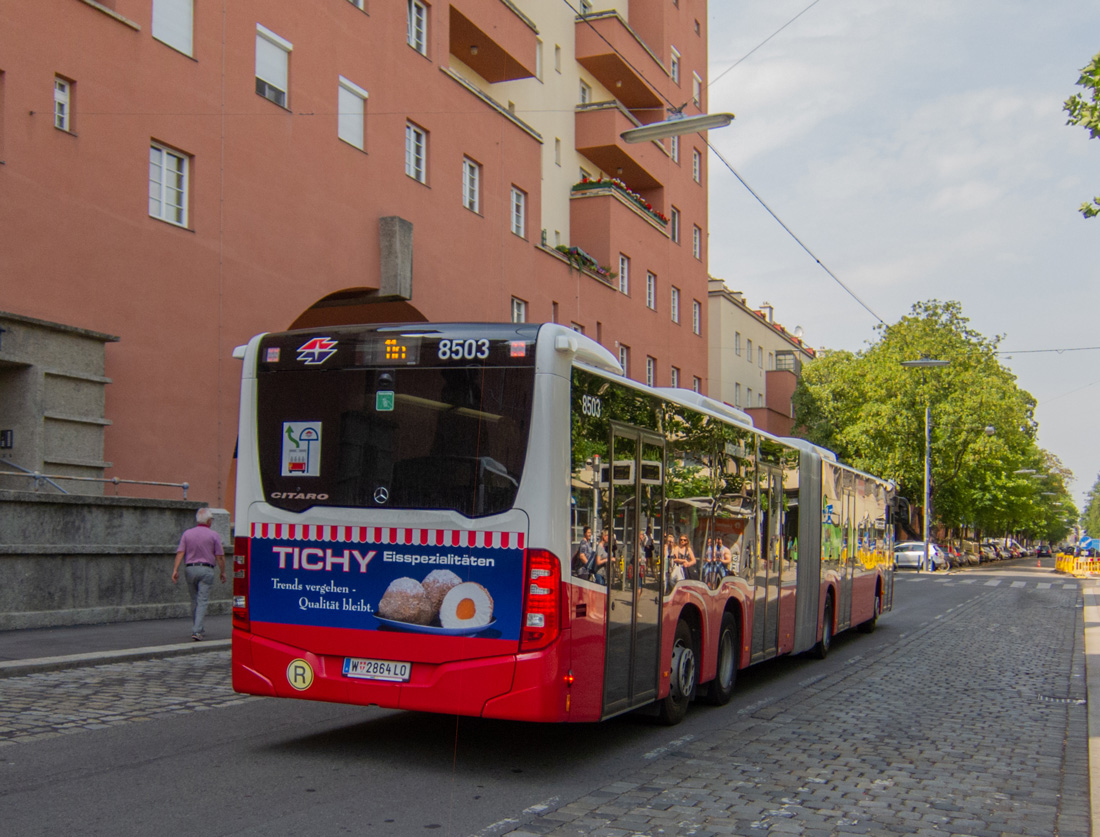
pixel 490 520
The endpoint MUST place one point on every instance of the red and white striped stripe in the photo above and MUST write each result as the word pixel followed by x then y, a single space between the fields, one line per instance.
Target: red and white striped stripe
pixel 389 536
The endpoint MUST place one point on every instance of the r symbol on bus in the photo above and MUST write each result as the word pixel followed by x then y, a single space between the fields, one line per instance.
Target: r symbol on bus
pixel 299 674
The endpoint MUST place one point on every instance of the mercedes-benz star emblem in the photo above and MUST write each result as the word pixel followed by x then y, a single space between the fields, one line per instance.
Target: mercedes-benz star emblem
pixel 381 495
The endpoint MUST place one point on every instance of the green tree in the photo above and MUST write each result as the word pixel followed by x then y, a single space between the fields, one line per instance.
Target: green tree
pixel 1084 110
pixel 870 410
pixel 1090 519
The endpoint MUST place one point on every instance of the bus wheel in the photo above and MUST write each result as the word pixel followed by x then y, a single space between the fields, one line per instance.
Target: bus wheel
pixel 682 677
pixel 868 627
pixel 821 650
pixel 720 689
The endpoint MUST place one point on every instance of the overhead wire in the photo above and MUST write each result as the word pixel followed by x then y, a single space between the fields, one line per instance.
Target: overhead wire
pixel 726 162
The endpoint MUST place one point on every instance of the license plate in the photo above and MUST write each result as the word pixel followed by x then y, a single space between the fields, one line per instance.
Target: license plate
pixel 364 669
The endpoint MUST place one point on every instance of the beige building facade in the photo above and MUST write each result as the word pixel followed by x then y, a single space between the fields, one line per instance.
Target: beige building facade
pixel 754 361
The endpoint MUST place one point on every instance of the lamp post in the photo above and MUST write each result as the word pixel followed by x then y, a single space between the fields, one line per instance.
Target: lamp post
pixel 922 363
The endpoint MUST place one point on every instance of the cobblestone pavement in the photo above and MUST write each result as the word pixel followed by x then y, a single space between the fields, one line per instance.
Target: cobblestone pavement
pixel 37 706
pixel 875 749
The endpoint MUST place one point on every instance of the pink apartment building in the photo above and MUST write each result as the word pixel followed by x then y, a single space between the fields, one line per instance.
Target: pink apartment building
pixel 178 175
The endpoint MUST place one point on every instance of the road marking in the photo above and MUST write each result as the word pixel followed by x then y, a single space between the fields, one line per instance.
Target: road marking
pixel 1019 584
pixel 996 582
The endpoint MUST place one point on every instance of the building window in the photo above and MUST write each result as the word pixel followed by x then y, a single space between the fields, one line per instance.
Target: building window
pixel 519 310
pixel 760 356
pixel 675 304
pixel 538 59
pixel 471 185
pixel 586 93
pixel 696 89
pixel 674 377
pixel 674 149
pixel 696 317
pixel 351 118
pixel 557 58
pixel 624 274
pixel 272 65
pixel 736 395
pixel 696 384
pixel 651 291
pixel 674 224
pixel 557 151
pixel 650 372
pixel 577 327
pixel 62 104
pixel 519 212
pixel 748 397
pixel 173 24
pixel 674 66
pixel 696 242
pixel 416 153
pixel 417 36
pixel 737 343
pixel 168 185
pixel 624 359
pixel 759 400
pixel 359 4
pixel 696 165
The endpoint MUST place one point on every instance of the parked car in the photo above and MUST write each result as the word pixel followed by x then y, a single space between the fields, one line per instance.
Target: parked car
pixel 910 554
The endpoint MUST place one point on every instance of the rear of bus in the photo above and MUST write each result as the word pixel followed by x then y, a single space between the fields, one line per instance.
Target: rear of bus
pixel 381 556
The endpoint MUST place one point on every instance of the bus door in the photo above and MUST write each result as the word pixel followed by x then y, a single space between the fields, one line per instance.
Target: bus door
pixel 634 597
pixel 850 556
pixel 765 617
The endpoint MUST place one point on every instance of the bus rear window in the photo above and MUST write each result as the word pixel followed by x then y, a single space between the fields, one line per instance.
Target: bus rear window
pixel 409 437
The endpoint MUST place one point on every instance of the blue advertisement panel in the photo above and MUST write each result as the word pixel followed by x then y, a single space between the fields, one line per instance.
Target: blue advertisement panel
pixel 451 583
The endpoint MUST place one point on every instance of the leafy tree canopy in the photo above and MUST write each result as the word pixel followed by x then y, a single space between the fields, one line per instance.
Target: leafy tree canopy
pixel 870 410
pixel 1084 110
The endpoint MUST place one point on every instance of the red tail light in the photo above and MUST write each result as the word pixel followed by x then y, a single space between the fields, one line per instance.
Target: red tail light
pixel 240 583
pixel 541 600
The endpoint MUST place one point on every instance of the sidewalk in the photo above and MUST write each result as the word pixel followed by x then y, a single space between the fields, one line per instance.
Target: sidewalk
pixel 50 649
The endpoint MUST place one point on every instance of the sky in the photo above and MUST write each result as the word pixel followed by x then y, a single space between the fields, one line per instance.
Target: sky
pixel 920 151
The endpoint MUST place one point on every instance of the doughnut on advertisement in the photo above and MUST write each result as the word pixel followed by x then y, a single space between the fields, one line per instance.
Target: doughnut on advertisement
pixel 417 581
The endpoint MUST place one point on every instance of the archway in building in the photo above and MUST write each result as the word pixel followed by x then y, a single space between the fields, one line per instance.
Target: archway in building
pixel 357 305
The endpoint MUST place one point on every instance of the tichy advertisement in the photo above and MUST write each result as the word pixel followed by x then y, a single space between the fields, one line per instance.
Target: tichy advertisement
pixel 423 581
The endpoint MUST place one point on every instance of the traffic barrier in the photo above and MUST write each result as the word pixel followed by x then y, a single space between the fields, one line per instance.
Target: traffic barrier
pixel 1076 564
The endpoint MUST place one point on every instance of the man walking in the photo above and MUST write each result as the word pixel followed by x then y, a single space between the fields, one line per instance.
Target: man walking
pixel 200 547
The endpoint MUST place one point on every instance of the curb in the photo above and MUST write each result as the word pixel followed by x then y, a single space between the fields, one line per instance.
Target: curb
pixel 14 668
pixel 1092 693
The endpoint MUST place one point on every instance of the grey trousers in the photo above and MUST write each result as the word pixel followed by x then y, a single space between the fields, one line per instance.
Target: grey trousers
pixel 200 578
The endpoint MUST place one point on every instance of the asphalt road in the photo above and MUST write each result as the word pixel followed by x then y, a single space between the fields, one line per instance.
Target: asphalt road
pixel 963 713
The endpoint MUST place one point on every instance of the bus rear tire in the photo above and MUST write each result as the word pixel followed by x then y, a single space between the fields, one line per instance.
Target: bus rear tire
pixel 682 677
pixel 720 689
pixel 821 650
pixel 868 627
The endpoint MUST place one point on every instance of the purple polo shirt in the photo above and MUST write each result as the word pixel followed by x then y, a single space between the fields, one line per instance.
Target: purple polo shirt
pixel 200 545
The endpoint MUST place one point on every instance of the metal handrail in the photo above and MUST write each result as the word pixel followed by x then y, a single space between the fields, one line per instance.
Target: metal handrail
pixel 38 477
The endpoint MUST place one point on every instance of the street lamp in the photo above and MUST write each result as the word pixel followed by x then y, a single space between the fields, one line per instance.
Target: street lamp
pixel 922 363
pixel 676 125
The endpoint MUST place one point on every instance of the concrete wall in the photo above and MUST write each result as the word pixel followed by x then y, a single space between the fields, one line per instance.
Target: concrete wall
pixel 78 560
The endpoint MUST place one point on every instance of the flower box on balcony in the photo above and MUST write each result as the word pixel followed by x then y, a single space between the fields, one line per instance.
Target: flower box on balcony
pixel 620 187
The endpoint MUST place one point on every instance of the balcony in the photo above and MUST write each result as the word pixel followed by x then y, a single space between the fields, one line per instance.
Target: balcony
pixel 601 57
pixel 494 39
pixel 642 166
